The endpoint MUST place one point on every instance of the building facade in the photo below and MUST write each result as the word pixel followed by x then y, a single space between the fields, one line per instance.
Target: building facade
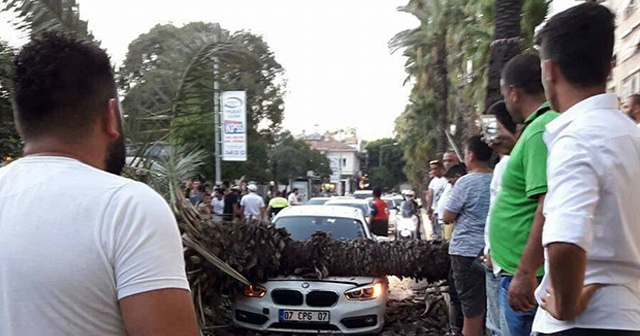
pixel 625 78
pixel 344 157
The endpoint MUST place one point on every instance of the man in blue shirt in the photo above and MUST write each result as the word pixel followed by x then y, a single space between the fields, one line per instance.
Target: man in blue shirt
pixel 468 207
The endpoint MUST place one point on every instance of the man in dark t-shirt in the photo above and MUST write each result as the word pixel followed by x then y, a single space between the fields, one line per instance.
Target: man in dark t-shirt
pixel 230 204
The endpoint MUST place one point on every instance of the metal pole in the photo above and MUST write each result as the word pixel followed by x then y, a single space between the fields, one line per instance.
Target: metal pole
pixel 340 176
pixel 218 126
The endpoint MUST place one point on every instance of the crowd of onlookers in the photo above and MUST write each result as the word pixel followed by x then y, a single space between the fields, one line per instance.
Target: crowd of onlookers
pixel 227 202
pixel 545 227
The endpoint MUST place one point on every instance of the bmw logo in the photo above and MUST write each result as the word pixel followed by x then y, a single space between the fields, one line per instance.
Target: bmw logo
pixel 305 285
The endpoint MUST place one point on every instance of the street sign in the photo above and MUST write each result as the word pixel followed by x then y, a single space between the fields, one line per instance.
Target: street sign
pixel 234 126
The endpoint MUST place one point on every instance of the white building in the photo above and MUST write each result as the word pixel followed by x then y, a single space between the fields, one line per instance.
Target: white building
pixel 625 77
pixel 344 159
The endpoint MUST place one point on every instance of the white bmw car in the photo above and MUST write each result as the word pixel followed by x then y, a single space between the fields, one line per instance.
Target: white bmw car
pixel 344 305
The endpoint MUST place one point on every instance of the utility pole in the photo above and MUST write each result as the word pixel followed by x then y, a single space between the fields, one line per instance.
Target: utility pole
pixel 218 125
pixel 341 193
pixel 380 152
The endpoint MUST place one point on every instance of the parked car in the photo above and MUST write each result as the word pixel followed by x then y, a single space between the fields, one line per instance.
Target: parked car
pixel 317 201
pixel 363 194
pixel 293 304
pixel 361 204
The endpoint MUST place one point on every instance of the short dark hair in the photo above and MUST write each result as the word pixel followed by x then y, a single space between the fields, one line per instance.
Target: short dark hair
pixel 635 98
pixel 458 169
pixel 499 109
pixel 437 163
pixel 278 193
pixel 580 40
pixel 294 190
pixel 60 84
pixel 479 148
pixel 524 72
pixel 377 192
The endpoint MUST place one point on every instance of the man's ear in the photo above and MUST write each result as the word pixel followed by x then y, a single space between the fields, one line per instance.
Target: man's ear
pixel 112 119
pixel 551 71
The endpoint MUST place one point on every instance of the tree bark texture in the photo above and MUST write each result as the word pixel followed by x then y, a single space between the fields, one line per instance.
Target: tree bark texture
pixel 505 45
pixel 441 90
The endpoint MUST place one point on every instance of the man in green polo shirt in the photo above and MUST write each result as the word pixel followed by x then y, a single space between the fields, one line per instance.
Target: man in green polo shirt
pixel 515 228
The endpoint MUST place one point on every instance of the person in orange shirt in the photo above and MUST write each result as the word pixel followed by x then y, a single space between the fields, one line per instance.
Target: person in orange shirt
pixel 379 218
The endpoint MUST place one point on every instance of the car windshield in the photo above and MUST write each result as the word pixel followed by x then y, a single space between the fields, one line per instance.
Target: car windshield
pixel 390 203
pixel 365 208
pixel 302 227
pixel 316 201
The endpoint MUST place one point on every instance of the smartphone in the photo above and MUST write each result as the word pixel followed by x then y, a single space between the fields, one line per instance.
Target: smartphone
pixel 489 127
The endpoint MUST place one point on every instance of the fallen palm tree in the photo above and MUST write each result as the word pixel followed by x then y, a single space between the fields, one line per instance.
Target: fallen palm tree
pixel 222 258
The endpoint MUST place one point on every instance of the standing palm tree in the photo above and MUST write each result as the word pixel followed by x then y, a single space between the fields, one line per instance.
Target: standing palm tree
pixel 505 45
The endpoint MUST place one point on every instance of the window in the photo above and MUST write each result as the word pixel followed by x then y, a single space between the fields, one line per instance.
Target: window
pixel 303 227
pixel 344 162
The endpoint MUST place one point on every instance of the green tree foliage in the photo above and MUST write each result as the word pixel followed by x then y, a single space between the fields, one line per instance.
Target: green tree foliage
pixel 390 173
pixel 448 57
pixel 168 79
pixel 292 158
pixel 10 144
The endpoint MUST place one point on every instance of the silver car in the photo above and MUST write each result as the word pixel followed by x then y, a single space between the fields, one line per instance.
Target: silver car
pixel 344 305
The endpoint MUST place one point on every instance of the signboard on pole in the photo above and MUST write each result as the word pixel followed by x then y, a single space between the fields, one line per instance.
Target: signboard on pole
pixel 234 126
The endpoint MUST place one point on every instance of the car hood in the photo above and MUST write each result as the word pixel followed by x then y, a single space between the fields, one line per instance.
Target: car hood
pixel 356 280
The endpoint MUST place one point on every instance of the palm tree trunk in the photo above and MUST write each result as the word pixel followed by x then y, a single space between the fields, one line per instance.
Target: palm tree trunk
pixel 505 45
pixel 441 90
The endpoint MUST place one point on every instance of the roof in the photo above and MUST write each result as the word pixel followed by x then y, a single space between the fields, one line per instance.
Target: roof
pixel 323 211
pixel 347 201
pixel 330 144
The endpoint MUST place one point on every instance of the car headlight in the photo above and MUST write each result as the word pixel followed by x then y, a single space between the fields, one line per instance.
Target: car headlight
pixel 255 291
pixel 367 292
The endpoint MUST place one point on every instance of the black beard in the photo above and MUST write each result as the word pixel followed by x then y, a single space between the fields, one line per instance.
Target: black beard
pixel 116 156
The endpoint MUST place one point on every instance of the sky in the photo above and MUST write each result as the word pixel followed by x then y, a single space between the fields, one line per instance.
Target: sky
pixel 339 69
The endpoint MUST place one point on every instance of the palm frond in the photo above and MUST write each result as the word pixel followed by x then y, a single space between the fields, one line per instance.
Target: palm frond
pixel 36 16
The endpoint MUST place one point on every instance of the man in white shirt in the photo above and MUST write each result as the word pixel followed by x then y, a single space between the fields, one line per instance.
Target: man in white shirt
pixel 434 191
pixel 293 197
pixel 592 231
pixel 449 159
pixel 252 205
pixel 503 143
pixel 105 256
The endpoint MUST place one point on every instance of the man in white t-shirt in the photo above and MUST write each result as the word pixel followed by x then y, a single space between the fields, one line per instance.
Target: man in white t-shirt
pixel 591 235
pixel 103 254
pixel 449 159
pixel 293 197
pixel 434 192
pixel 252 204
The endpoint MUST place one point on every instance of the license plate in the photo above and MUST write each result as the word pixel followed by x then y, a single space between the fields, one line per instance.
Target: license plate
pixel 304 316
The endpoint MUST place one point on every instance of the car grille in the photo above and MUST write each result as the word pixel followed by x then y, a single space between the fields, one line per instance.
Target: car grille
pixel 321 299
pixel 248 317
pixel 287 297
pixel 303 326
pixel 360 321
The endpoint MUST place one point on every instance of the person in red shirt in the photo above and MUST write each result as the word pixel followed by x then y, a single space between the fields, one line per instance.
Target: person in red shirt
pixel 379 219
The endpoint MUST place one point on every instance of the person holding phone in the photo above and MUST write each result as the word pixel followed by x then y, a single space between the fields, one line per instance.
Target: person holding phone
pixel 515 221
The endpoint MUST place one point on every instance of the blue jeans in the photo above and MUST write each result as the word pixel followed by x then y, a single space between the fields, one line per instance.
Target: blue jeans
pixel 496 323
pixel 437 229
pixel 519 323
